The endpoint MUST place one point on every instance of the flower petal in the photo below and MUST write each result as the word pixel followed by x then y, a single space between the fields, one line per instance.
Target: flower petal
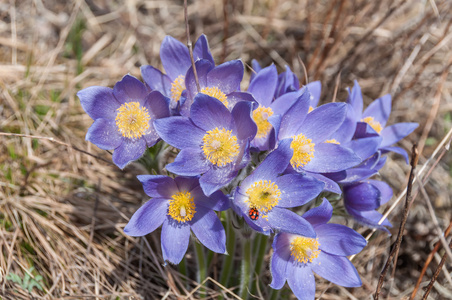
pixel 156 80
pixel 331 158
pixel 201 49
pixel 330 185
pixel 380 109
pixel 128 151
pixel 355 99
pixel 227 76
pixel 209 113
pixel 217 201
pixel 337 269
pixel 301 281
pixel 104 134
pixel 315 88
pixel 397 150
pixel 216 178
pixel 209 230
pixel 179 132
pixel 236 97
pixel 362 196
pixel 384 188
pixel 99 102
pixel 158 186
pixel 323 121
pixel 273 165
pixel 394 133
pixel 320 214
pixel 279 260
pixel 294 117
pixel 175 57
pixel 246 128
pixel 148 217
pixel 297 189
pixel 365 147
pixel 175 239
pixel 263 85
pixel 338 239
pixel 130 89
pixel 369 218
pixel 189 162
pixel 281 219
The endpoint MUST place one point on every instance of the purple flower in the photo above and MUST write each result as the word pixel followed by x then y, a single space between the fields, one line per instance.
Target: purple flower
pixel 123 118
pixel 263 87
pixel 269 194
pixel 361 199
pixel 287 82
pixel 314 150
pixel 176 61
pixel 295 257
pixel 221 82
pixel 180 205
pixel 373 120
pixel 213 141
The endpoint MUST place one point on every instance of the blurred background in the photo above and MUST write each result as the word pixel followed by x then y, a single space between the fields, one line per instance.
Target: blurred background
pixel 62 212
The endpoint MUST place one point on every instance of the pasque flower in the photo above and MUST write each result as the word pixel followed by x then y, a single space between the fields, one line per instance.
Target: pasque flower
pixel 296 256
pixel 373 120
pixel 263 87
pixel 123 118
pixel 311 133
pixel 176 61
pixel 362 198
pixel 268 194
pixel 213 141
pixel 221 82
pixel 180 205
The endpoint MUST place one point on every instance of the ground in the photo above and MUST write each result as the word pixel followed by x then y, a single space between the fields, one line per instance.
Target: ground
pixel 62 211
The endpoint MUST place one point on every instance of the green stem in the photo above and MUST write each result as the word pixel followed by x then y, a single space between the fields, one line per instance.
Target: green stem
pixel 202 266
pixel 228 261
pixel 246 269
pixel 260 248
pixel 274 294
pixel 183 270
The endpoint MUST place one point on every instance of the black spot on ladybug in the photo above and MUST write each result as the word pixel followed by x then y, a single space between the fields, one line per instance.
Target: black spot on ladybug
pixel 253 214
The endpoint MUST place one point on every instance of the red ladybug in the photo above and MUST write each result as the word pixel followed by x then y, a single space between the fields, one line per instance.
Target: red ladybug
pixel 253 213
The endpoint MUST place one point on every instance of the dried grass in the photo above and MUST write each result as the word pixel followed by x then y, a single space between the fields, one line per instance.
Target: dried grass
pixel 63 212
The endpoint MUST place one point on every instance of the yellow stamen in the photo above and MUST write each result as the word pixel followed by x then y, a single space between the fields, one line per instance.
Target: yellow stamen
pixel 216 93
pixel 177 87
pixel 263 195
pixel 220 147
pixel 332 141
pixel 374 124
pixel 303 151
pixel 310 109
pixel 304 249
pixel 182 207
pixel 260 116
pixel 132 120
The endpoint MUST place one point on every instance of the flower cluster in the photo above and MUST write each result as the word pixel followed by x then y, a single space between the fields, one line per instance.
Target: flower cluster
pixel 264 153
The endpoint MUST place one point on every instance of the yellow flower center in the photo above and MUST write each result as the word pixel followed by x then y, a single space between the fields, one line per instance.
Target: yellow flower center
pixel 132 120
pixel 332 141
pixel 220 147
pixel 374 124
pixel 260 116
pixel 177 87
pixel 303 151
pixel 304 249
pixel 216 93
pixel 310 109
pixel 263 195
pixel 182 207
